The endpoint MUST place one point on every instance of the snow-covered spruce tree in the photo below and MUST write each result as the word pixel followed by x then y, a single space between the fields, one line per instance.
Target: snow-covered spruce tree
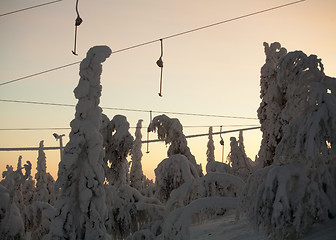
pixel 137 178
pixel 104 131
pixel 240 163
pixel 271 105
pixel 118 147
pixel 211 185
pixel 11 221
pixel 20 189
pixel 171 173
pixel 212 165
pixel 129 211
pixel 8 176
pixel 39 213
pixel 13 181
pixel 28 186
pixel 28 194
pixel 253 165
pixel 241 142
pixel 210 153
pixel 81 209
pixel 44 181
pixel 300 189
pixel 171 130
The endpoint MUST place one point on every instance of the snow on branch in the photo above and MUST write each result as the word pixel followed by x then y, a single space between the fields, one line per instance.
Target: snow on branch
pixel 171 130
pixel 171 173
pixel 298 117
pixel 211 185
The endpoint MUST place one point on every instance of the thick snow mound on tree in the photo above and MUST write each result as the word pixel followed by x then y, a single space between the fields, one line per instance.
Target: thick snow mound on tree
pixel 171 173
pixel 81 203
pixel 211 185
pixel 171 130
pixel 11 223
pixel 291 199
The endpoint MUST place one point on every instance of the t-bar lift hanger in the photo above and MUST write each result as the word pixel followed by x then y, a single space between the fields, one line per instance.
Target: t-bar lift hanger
pixel 221 143
pixel 78 22
pixel 160 64
pixel 150 121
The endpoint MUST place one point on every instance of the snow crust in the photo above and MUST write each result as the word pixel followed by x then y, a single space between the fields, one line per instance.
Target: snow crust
pixel 176 226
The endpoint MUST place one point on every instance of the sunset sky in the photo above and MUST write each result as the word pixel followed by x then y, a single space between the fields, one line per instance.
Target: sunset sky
pixel 213 71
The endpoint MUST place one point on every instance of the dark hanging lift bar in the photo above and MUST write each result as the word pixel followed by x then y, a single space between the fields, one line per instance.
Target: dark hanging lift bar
pixel 221 143
pixel 150 121
pixel 160 64
pixel 78 22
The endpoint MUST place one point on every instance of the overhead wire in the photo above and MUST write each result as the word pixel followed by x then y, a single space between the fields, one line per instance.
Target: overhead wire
pixel 145 141
pixel 133 110
pixel 160 39
pixel 28 8
pixel 68 128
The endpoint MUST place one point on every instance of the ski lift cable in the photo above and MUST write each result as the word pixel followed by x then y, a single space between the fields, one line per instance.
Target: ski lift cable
pixel 207 134
pixel 28 8
pixel 164 38
pixel 151 141
pixel 132 110
pixel 68 128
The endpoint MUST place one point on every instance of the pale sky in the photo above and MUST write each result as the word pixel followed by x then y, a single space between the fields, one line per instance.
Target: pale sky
pixel 213 71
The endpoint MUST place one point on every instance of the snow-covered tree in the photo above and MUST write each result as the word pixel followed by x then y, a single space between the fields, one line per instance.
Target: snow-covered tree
pixel 240 163
pixel 215 166
pixel 104 130
pixel 44 181
pixel 28 185
pixel 118 147
pixel 11 221
pixel 211 185
pixel 310 110
pixel 13 182
pixel 18 193
pixel 81 209
pixel 171 173
pixel 171 131
pixel 40 215
pixel 129 211
pixel 210 148
pixel 271 104
pixel 137 178
pixel 9 176
pixel 299 189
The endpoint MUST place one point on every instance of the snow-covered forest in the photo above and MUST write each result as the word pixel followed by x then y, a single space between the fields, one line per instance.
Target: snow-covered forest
pixel 102 193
